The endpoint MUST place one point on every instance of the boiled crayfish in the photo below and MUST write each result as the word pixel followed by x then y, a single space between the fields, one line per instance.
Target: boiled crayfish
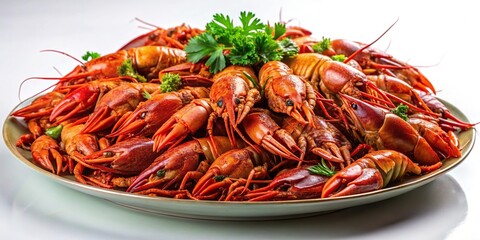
pixel 289 127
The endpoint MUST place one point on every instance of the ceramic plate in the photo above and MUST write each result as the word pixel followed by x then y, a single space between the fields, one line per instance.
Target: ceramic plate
pixel 13 128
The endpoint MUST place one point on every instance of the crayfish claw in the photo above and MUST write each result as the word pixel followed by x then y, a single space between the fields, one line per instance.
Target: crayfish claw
pixel 297 116
pixel 275 147
pixel 263 130
pixel 371 172
pixel 44 150
pixel 369 180
pixel 99 120
pixel 188 119
pixel 177 133
pixel 326 155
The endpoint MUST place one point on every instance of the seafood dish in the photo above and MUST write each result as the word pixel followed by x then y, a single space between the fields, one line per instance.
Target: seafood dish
pixel 248 112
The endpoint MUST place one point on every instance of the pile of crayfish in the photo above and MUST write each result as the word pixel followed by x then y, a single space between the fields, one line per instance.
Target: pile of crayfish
pixel 306 126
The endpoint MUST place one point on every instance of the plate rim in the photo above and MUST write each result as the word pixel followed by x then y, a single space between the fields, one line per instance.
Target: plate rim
pixel 125 199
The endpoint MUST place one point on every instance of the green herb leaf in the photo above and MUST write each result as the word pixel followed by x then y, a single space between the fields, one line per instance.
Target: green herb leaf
pixel 254 82
pixel 267 48
pixel 222 28
pixel 126 69
pixel 217 61
pixel 90 55
pixel 321 46
pixel 251 43
pixel 54 132
pixel 279 30
pixel 250 23
pixel 147 95
pixel 322 169
pixel 338 58
pixel 204 45
pixel 262 90
pixel 401 111
pixel 170 82
pixel 288 47
pixel 200 47
pixel 221 21
pixel 244 52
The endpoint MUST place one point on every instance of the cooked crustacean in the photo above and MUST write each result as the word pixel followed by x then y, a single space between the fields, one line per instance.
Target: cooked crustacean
pixel 188 120
pixel 178 165
pixel 257 112
pixel 149 115
pixel 323 139
pixel 291 184
pixel 232 95
pixel 147 61
pixel 233 170
pixel 327 75
pixel 264 131
pixel 385 130
pixel 287 93
pixel 371 172
pixel 175 37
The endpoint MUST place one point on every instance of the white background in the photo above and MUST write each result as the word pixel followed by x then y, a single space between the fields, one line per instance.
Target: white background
pixel 441 36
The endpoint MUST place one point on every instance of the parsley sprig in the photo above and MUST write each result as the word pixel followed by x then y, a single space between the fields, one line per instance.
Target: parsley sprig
pixel 126 69
pixel 401 110
pixel 170 82
pixel 322 45
pixel 90 55
pixel 338 58
pixel 325 45
pixel 250 43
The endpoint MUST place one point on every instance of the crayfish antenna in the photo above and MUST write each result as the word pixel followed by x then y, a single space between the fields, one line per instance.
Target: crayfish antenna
pixel 370 44
pixel 202 183
pixel 460 123
pixel 64 53
pixel 34 78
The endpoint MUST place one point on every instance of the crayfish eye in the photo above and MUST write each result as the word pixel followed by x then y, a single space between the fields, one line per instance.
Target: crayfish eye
pixel 237 101
pixel 152 36
pixel 107 154
pixel 289 102
pixel 219 178
pixel 220 103
pixel 161 173
pixel 354 106
pixel 143 115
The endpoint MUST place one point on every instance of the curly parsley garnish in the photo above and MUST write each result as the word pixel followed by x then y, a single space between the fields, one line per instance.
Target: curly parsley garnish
pixel 251 43
pixel 322 169
pixel 401 111
pixel 170 82
pixel 126 69
pixel 54 132
pixel 322 46
pixel 90 55
pixel 338 58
